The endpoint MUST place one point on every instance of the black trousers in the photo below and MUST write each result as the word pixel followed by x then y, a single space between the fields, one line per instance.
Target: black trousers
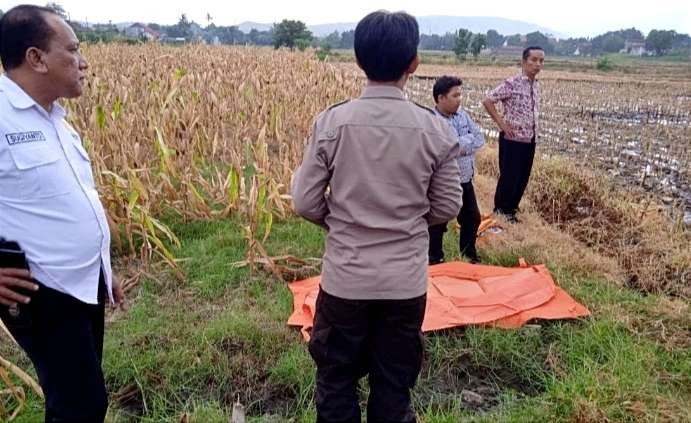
pixel 515 165
pixel 63 338
pixel 352 338
pixel 469 218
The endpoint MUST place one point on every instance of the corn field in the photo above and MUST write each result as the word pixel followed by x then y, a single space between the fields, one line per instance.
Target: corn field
pixel 203 132
pixel 198 132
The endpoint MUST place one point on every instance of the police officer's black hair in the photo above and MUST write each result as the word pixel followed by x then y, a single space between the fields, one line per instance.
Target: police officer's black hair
pixel 443 85
pixel 386 44
pixel 21 28
pixel 526 52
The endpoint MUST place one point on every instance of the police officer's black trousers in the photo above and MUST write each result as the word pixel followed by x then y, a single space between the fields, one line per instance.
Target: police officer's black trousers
pixel 515 165
pixel 352 338
pixel 64 341
pixel 469 218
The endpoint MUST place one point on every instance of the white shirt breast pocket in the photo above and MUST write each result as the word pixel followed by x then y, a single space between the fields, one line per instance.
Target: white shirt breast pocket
pixel 83 165
pixel 39 173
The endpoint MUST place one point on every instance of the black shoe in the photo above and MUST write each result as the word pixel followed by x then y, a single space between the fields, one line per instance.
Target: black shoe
pixel 474 259
pixel 432 262
pixel 509 216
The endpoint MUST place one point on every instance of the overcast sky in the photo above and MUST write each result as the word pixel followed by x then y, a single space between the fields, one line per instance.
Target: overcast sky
pixel 579 17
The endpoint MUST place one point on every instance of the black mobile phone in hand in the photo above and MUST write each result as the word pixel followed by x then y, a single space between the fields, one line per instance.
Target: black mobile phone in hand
pixel 12 256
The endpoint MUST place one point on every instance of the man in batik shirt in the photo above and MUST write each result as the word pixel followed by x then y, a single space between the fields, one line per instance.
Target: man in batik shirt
pixel 520 98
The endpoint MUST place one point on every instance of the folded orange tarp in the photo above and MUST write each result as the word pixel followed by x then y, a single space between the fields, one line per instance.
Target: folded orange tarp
pixel 462 294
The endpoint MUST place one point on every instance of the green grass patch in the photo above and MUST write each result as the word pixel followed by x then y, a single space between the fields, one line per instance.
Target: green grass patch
pixel 193 348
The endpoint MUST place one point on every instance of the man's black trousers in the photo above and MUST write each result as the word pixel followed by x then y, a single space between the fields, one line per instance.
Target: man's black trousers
pixel 469 218
pixel 515 165
pixel 352 338
pixel 63 338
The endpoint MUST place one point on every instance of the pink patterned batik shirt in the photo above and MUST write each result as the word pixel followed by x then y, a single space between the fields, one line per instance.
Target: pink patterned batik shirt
pixel 520 98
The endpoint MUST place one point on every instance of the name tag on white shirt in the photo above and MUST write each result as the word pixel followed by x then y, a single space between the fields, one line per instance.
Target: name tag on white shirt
pixel 24 137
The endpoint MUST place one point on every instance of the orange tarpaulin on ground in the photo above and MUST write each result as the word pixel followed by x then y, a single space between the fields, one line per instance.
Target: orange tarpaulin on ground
pixel 462 294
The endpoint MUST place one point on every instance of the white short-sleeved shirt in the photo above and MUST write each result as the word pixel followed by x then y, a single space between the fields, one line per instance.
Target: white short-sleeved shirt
pixel 48 199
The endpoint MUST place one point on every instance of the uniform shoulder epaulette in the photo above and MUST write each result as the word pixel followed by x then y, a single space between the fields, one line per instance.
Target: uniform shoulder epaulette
pixel 333 106
pixel 423 107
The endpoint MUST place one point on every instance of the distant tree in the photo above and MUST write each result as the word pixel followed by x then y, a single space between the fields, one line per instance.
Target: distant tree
pixel 228 34
pixel 569 46
pixel 437 42
pixel 681 41
pixel 448 41
pixel 209 18
pixel 477 44
pixel 632 34
pixel 430 42
pixel 609 42
pixel 303 43
pixel 331 41
pixel 613 43
pixel 514 40
pixel 347 39
pixel 494 39
pixel 288 32
pixel 98 33
pixel 58 9
pixel 539 39
pixel 260 38
pixel 253 36
pixel 183 29
pixel 660 41
pixel 463 38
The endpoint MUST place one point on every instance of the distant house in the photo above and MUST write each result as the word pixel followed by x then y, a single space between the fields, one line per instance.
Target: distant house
pixel 139 30
pixel 634 48
pixel 583 49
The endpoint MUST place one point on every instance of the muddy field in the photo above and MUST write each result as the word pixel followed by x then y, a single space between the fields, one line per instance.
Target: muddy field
pixel 639 129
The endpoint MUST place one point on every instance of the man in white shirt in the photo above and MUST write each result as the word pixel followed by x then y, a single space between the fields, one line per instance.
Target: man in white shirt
pixel 50 207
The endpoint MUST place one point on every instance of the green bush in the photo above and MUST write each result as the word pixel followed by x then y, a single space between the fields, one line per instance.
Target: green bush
pixel 323 52
pixel 604 64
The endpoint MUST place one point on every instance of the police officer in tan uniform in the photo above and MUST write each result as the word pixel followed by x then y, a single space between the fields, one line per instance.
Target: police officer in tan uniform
pixel 376 172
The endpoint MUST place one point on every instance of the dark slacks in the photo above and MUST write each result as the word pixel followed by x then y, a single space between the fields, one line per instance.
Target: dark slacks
pixel 63 338
pixel 352 338
pixel 515 165
pixel 469 218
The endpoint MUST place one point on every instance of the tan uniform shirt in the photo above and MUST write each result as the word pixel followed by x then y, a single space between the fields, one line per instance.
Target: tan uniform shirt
pixel 376 172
